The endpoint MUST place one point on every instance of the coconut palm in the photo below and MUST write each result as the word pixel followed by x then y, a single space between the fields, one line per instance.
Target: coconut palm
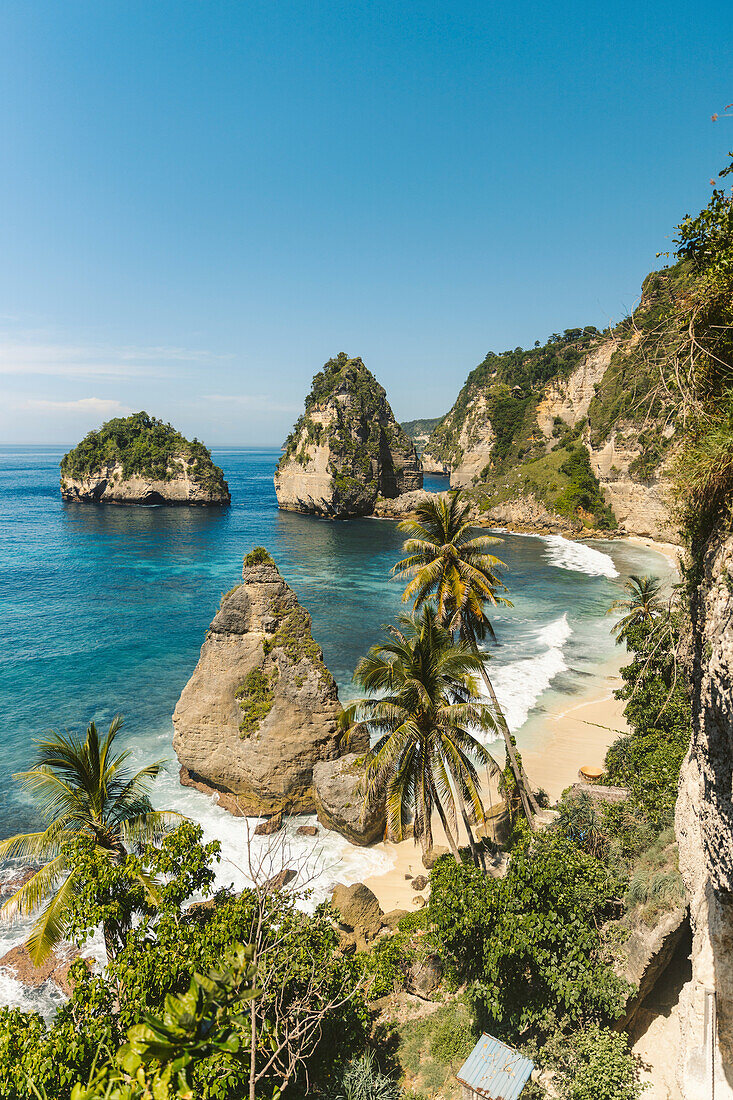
pixel 423 707
pixel 83 789
pixel 641 605
pixel 450 564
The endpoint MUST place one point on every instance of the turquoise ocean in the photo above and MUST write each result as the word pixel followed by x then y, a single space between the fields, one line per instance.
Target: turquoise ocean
pixel 103 610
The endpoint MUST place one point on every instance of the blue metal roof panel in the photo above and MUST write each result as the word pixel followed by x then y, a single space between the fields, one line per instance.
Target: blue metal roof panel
pixel 494 1070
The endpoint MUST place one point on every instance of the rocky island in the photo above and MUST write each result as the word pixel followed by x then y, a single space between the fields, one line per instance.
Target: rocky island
pixel 141 460
pixel 258 720
pixel 347 449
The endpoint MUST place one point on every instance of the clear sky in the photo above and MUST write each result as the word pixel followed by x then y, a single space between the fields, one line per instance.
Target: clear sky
pixel 202 201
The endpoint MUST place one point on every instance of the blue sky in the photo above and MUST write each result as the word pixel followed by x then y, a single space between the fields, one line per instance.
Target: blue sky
pixel 203 201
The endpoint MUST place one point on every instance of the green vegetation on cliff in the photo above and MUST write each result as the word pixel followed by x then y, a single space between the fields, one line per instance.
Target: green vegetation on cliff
pixel 145 446
pixel 419 430
pixel 513 383
pixel 354 453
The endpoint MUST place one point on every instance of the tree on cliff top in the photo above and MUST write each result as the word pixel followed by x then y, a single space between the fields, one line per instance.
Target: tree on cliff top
pixel 84 792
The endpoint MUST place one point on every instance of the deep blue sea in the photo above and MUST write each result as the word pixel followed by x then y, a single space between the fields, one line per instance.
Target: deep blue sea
pixel 103 609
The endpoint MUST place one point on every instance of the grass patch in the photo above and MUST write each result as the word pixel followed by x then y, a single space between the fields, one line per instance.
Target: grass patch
pixel 430 1049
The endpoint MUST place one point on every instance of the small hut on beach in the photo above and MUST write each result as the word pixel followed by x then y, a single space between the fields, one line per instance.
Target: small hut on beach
pixel 493 1071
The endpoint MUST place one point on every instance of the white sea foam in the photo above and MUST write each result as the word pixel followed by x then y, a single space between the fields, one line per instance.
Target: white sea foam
pixel 578 556
pixel 519 684
pixel 320 861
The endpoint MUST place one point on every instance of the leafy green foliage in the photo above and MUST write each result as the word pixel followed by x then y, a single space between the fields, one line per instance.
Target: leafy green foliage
pixel 648 759
pixel 704 469
pixel 149 983
pixel 594 1064
pixel 257 556
pixel 361 431
pixel 363 1080
pixel 513 378
pixel 256 695
pixel 146 446
pixel 528 944
pixel 583 492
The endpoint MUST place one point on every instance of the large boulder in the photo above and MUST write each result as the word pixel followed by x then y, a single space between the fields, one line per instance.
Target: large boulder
pixel 55 969
pixel 340 805
pixel 261 709
pixel 358 909
pixel 347 448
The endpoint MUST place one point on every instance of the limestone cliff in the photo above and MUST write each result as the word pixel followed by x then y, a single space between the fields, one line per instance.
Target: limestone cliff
pixel 347 448
pixel 527 420
pixel 261 710
pixel 140 460
pixel 704 826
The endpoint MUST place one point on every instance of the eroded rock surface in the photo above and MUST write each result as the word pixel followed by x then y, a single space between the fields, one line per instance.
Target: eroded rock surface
pixel 261 708
pixel 339 804
pixel 347 448
pixel 704 827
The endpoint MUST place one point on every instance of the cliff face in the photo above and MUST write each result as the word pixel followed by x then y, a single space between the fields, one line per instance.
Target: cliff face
pixel 260 711
pixel 261 708
pixel 521 414
pixel 140 460
pixel 704 826
pixel 346 449
pixel 108 485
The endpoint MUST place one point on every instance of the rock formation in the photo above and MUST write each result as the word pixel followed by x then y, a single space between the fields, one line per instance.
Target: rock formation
pixel 338 804
pixel 258 720
pixel 347 448
pixel 704 827
pixel 140 460
pixel 522 414
pixel 261 707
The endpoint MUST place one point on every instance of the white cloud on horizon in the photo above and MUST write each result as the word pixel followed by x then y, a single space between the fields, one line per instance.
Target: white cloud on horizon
pixel 23 357
pixel 98 405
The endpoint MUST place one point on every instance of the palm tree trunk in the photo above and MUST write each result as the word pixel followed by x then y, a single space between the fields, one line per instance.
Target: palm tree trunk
pixel 476 852
pixel 448 832
pixel 529 803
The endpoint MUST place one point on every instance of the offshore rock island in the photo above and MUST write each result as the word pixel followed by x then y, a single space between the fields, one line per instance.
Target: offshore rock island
pixel 347 449
pixel 260 713
pixel 140 460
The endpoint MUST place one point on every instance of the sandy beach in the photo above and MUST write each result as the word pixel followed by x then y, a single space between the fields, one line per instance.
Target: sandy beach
pixel 564 735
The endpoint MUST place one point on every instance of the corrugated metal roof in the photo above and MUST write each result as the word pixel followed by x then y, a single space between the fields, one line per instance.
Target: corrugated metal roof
pixel 494 1070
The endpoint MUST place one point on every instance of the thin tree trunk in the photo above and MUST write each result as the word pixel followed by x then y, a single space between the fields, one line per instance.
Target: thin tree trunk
pixel 253 1052
pixel 448 833
pixel 476 852
pixel 529 803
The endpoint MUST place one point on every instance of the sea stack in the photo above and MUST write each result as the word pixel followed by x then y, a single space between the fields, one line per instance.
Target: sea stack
pixel 261 709
pixel 346 449
pixel 140 460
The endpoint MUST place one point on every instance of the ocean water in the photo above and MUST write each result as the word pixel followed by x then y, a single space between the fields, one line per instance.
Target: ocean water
pixel 103 611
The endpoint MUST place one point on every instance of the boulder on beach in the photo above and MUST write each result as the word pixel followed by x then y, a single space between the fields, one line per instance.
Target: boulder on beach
pixel 340 805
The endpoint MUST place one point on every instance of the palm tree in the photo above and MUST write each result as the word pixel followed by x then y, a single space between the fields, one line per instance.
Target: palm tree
pixel 449 564
pixel 83 790
pixel 423 706
pixel 642 605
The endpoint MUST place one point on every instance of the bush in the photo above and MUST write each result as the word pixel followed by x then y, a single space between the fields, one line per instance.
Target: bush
pixel 594 1064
